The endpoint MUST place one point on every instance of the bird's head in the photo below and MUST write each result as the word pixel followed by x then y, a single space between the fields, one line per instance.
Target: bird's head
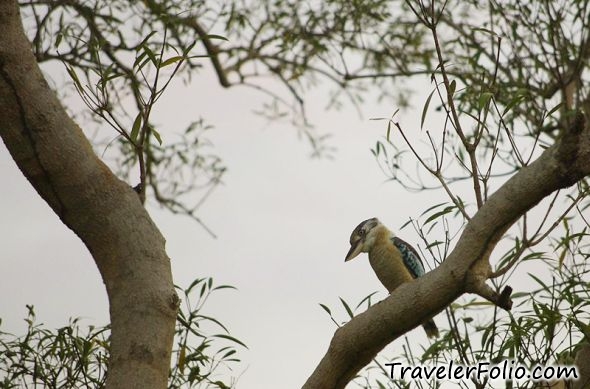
pixel 362 238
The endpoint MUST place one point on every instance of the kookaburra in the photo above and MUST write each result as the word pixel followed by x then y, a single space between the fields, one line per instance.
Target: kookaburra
pixel 393 260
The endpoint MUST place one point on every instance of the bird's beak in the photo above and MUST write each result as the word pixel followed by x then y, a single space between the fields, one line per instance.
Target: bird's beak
pixel 355 249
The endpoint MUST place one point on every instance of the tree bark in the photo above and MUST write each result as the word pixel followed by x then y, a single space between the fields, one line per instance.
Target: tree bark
pixel 582 361
pixel 466 268
pixel 57 159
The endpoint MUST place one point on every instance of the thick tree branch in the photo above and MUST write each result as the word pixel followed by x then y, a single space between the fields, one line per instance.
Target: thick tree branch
pixel 466 267
pixel 57 159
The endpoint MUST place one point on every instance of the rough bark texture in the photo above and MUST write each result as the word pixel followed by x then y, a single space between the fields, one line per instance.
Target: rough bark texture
pixel 583 363
pixel 57 159
pixel 464 270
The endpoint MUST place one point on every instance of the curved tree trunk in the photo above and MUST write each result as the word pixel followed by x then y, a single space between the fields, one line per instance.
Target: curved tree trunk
pixel 57 159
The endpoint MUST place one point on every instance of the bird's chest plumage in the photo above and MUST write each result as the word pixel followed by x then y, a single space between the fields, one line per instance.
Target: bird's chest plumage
pixel 387 263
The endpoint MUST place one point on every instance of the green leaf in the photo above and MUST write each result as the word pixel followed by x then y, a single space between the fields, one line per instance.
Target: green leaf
pixel 214 36
pixel 225 287
pixel 533 255
pixel 214 320
pixel 136 127
pixel 138 59
pixel 199 56
pixel 189 48
pixel 425 109
pixel 182 358
pixel 171 60
pixel 439 214
pixel 75 78
pixel 228 337
pixel 543 285
pixel 145 61
pixel 228 353
pixel 484 99
pixel 518 295
pixel 58 39
pixel 513 103
pixel 157 136
pixel 431 208
pixel 194 283
pixel 148 36
pixel 561 258
pixel 405 224
pixel 348 310
pixel 367 298
pixel 326 309
pixel 378 148
pixel 452 87
pixel 434 244
pixel 151 55
pixel 485 30
pixel 554 109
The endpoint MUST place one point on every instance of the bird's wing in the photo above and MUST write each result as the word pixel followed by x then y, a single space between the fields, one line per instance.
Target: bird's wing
pixel 410 257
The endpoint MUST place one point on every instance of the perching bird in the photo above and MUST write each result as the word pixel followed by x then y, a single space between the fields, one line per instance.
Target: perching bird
pixel 393 260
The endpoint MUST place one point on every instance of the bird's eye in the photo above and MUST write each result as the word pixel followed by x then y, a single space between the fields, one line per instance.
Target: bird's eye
pixel 362 232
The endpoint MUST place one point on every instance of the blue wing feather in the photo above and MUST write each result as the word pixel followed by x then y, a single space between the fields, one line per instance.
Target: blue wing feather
pixel 410 257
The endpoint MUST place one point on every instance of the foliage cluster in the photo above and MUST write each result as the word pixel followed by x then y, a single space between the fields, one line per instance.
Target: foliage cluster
pixel 204 353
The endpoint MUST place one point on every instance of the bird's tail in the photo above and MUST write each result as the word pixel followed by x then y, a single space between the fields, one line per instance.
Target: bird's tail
pixel 430 328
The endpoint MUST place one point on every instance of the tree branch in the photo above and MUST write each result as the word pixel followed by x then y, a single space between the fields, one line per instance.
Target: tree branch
pixel 357 342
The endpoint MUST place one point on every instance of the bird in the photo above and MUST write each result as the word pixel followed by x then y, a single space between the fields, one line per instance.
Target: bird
pixel 393 260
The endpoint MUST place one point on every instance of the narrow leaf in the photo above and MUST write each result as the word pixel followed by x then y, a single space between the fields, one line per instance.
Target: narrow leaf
pixel 484 99
pixel 182 358
pixel 225 287
pixel 367 298
pixel 485 30
pixel 136 127
pixel 388 131
pixel 151 55
pixel 171 60
pixel 431 208
pixel 214 36
pixel 348 310
pixel 512 103
pixel 554 109
pixel 75 78
pixel 157 136
pixel 326 309
pixel 147 37
pixel 228 337
pixel 452 87
pixel 214 320
pixel 193 284
pixel 425 109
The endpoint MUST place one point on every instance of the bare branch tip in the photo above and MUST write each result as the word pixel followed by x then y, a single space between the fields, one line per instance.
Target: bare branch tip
pixel 504 301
